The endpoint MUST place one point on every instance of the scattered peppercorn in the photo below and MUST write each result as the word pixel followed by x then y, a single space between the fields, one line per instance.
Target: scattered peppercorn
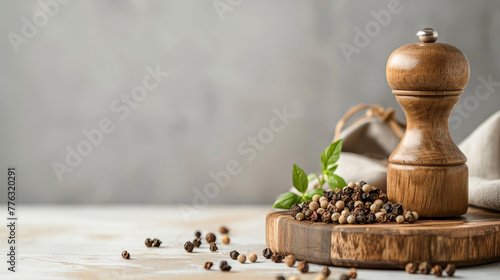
pixel 267 253
pixel 156 242
pixel 242 258
pixel 234 254
pixel 303 266
pixel 213 247
pixel 450 269
pixel 197 234
pixel 437 270
pixel 252 257
pixel 223 229
pixel 225 239
pixel 188 246
pixel 325 271
pixel 411 268
pixel 352 273
pixel 344 277
pixel 277 257
pixel 148 242
pixel 424 268
pixel 208 265
pixel 210 238
pixel 224 266
pixel 197 242
pixel 125 255
pixel 290 260
pixel 320 277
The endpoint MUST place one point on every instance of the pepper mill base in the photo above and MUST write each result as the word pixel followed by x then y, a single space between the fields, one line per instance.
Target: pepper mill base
pixel 431 191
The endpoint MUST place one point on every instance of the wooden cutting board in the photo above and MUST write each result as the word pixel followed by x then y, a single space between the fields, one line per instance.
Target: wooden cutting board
pixel 470 240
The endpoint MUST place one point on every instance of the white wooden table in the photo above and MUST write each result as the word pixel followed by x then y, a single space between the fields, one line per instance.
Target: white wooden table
pixel 85 242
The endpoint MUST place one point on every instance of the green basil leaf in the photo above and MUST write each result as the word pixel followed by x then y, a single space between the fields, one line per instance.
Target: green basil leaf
pixel 332 168
pixel 299 178
pixel 335 181
pixel 312 177
pixel 313 193
pixel 286 200
pixel 331 154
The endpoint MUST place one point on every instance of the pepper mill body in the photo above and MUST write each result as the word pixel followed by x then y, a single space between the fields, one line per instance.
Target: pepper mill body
pixel 427 171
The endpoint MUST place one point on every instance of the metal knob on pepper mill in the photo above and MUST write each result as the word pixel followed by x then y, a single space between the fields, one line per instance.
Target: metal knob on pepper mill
pixel 427 171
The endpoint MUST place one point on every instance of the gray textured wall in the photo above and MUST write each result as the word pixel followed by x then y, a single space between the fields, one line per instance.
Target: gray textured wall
pixel 227 77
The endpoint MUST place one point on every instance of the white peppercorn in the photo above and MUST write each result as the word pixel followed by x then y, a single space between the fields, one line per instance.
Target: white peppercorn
pixel 335 216
pixel 339 204
pixel 351 219
pixel 321 199
pixel 313 206
pixel 320 211
pixel 343 219
pixel 351 184
pixel 300 216
pixel 400 219
pixel 316 198
pixel 345 212
pixel 374 208
pixel 242 258
pixel 252 257
pixel 415 215
pixel 366 188
pixel 324 204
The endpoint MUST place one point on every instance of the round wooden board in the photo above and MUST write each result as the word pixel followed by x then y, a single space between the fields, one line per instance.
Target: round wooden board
pixel 472 239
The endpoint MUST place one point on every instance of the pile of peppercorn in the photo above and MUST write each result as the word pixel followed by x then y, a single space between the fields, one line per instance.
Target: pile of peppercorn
pixel 356 203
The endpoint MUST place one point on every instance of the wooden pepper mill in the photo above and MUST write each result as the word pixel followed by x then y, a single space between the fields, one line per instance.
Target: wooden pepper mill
pixel 427 171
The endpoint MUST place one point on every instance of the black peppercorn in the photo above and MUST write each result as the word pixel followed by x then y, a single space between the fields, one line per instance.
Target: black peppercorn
pixel 424 268
pixel 336 196
pixel 356 196
pixel 347 190
pixel 360 219
pixel 362 183
pixel 365 197
pixel 197 242
pixel 437 270
pixel 224 266
pixel 450 269
pixel 148 242
pixel 197 234
pixel 234 254
pixel 391 217
pixel 411 268
pixel 267 253
pixel 350 205
pixel 224 230
pixel 125 255
pixel 156 242
pixel 210 237
pixel 188 246
pixel 213 247
pixel 329 194
pixel 277 257
pixel 387 207
pixel 308 214
pixel 280 277
pixel 370 218
pixel 303 266
pixel 295 209
pixel 208 265
pixel 397 209
pixel 326 217
pixel 325 271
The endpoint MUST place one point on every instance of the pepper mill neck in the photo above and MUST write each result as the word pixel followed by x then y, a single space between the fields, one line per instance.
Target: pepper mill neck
pixel 427 68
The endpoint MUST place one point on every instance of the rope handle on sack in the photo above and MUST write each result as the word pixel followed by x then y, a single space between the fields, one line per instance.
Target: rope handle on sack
pixel 387 115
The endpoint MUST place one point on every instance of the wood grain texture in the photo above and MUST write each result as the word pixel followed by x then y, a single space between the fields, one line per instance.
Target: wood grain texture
pixel 470 240
pixel 428 172
pixel 428 67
